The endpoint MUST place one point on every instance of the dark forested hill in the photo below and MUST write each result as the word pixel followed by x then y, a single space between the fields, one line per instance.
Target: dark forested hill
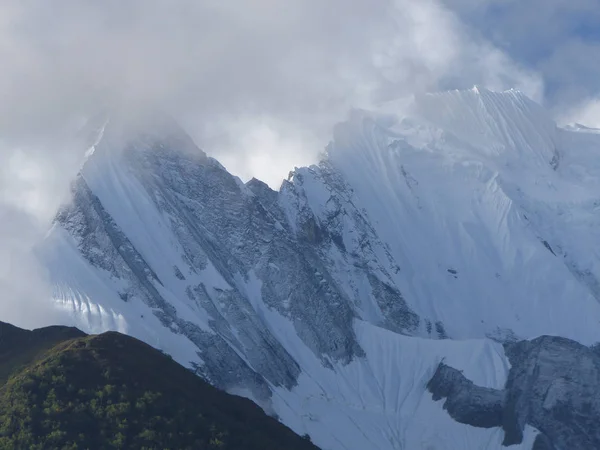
pixel 62 389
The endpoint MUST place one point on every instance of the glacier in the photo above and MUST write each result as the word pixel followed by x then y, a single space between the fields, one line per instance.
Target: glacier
pixel 439 231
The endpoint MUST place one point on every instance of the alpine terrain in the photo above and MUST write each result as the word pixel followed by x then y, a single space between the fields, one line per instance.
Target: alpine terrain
pixel 433 283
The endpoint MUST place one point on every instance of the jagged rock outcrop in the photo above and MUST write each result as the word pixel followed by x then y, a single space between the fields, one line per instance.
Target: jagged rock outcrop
pixel 466 402
pixel 243 232
pixel 552 386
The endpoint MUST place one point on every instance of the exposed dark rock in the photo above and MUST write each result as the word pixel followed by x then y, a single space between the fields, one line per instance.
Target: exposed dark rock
pixel 465 402
pixel 440 330
pixel 244 232
pixel 548 247
pixel 553 385
pixel 542 443
pixel 178 273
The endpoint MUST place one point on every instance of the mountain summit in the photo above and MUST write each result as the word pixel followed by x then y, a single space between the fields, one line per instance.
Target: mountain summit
pixel 463 226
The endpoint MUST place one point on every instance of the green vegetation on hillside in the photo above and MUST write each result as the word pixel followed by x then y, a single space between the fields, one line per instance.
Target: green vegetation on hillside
pixel 60 389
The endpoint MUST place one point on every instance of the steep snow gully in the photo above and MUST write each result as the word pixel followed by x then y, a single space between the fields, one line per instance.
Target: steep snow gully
pixel 430 243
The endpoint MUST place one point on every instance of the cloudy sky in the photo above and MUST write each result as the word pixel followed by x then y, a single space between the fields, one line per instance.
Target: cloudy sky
pixel 264 80
pixel 258 83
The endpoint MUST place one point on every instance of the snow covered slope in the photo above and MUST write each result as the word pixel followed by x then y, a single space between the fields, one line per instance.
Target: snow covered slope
pixel 466 222
pixel 487 207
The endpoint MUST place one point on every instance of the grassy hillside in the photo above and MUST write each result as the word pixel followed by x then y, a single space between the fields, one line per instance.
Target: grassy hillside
pixel 61 389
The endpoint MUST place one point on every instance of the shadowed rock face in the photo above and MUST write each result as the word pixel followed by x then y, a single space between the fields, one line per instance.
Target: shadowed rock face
pixel 246 233
pixel 553 385
pixel 542 442
pixel 465 402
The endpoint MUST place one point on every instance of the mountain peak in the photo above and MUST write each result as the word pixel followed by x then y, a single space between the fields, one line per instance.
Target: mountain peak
pixel 467 221
pixel 475 124
pixel 121 130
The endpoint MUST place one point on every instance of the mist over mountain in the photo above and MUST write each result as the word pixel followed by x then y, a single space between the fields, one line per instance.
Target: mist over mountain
pixel 437 236
pixel 308 204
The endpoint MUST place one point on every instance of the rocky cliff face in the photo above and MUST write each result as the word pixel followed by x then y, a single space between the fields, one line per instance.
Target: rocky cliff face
pixel 552 386
pixel 244 233
pixel 332 301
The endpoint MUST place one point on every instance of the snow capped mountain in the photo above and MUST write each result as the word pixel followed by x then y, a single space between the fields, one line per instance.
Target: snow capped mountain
pixel 469 201
pixel 466 223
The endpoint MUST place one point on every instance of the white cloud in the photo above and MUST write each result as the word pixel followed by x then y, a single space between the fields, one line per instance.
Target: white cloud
pixel 386 49
pixel 586 113
pixel 556 38
pixel 258 83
